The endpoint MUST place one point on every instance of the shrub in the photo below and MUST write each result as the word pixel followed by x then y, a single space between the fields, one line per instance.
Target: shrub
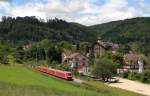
pixel 145 77
pixel 75 72
pixel 134 76
pixel 125 74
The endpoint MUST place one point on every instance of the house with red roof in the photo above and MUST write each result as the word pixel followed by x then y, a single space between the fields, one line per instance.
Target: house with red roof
pixel 76 60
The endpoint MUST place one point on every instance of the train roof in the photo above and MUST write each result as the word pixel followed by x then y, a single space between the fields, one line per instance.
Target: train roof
pixel 54 69
pixel 58 70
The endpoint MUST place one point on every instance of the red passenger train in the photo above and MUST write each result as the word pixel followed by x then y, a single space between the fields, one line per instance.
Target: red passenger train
pixel 55 72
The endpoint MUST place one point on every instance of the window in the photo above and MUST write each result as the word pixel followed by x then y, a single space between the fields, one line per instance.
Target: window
pixel 76 59
pixel 69 74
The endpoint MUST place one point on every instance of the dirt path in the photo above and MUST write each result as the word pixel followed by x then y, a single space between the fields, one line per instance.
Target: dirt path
pixel 132 86
pixel 77 80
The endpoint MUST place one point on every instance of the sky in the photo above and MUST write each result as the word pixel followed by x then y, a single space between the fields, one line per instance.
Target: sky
pixel 86 12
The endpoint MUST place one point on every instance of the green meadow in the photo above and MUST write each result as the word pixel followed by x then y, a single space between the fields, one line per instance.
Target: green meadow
pixel 17 80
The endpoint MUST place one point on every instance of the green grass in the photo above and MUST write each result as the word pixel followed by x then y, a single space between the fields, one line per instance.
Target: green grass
pixel 17 79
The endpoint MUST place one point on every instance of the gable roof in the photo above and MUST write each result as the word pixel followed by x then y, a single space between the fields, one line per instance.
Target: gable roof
pixel 72 54
pixel 67 53
pixel 106 45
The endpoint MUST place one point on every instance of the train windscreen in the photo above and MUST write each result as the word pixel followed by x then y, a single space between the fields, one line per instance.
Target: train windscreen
pixel 69 74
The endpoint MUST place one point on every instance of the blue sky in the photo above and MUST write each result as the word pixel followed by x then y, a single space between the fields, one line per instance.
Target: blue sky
pixel 87 12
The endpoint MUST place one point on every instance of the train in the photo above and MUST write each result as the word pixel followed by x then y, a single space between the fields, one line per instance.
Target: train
pixel 55 72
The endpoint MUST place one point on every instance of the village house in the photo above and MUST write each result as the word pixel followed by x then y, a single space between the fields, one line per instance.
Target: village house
pixel 76 60
pixel 99 47
pixel 133 63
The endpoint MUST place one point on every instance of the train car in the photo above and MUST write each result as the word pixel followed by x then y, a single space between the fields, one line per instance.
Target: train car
pixel 42 69
pixel 55 72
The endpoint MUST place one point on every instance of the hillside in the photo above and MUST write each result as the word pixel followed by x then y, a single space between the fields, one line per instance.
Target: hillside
pixel 136 29
pixel 22 29
pixel 101 29
pixel 16 80
pixel 129 31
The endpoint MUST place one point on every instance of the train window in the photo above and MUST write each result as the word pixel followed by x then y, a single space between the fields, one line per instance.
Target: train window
pixel 69 74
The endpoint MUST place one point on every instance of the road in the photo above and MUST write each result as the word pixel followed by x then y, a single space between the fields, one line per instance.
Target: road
pixel 77 80
pixel 132 86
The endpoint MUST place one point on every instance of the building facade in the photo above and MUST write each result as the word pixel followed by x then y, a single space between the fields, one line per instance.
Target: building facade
pixel 133 63
pixel 100 47
pixel 76 61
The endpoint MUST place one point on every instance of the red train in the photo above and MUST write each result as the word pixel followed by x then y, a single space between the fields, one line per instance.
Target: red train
pixel 55 72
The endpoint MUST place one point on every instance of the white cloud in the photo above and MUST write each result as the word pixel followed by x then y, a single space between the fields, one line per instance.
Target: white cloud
pixel 27 10
pixel 82 11
pixel 110 11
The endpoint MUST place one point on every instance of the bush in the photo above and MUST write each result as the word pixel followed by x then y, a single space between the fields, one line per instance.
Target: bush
pixel 134 76
pixel 4 60
pixel 125 74
pixel 142 77
pixel 3 56
pixel 75 72
pixel 145 77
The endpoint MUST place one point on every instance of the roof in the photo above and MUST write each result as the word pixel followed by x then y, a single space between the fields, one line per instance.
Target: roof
pixel 72 54
pixel 67 53
pixel 131 59
pixel 58 70
pixel 107 45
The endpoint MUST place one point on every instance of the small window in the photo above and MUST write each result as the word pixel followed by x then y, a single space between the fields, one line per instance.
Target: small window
pixel 76 64
pixel 76 59
pixel 83 59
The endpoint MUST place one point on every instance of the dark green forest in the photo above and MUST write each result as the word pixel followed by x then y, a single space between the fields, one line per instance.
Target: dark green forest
pixel 22 29
pixel 52 35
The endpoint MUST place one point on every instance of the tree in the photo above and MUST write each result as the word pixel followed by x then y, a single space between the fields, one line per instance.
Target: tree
pixel 84 47
pixel 4 56
pixel 46 44
pixel 116 57
pixel 124 48
pixel 54 54
pixel 66 45
pixel 136 47
pixel 104 69
pixel 148 63
pixel 19 55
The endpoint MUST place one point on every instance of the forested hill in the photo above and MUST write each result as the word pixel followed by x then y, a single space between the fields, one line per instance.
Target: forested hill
pixel 22 29
pixel 129 30
pixel 133 32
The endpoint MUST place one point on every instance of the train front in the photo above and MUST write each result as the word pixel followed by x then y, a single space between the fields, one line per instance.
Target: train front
pixel 69 76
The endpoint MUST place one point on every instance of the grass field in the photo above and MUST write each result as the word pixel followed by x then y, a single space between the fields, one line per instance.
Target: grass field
pixel 17 80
